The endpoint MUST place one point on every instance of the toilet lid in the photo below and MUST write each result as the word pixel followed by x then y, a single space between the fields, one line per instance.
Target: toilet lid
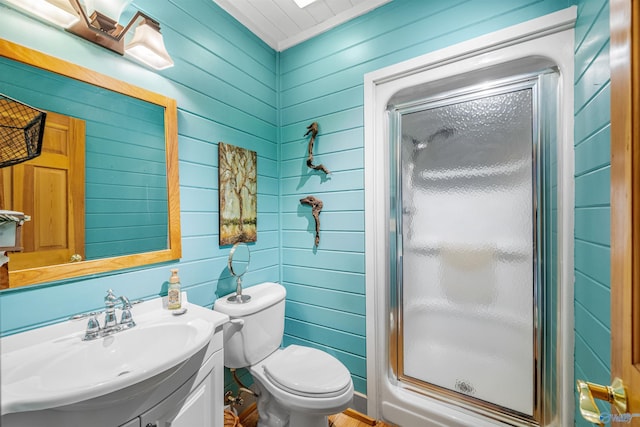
pixel 306 371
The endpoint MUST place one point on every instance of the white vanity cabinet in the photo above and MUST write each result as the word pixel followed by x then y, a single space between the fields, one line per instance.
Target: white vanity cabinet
pixel 190 393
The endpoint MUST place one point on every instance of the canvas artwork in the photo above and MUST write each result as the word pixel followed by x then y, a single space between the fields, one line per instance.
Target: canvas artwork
pixel 237 177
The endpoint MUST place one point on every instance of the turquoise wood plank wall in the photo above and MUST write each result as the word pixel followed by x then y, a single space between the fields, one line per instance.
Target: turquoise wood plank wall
pixel 224 81
pixel 322 80
pixel 592 209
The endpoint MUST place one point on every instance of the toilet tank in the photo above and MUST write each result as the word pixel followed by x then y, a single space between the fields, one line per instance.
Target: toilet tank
pixel 256 327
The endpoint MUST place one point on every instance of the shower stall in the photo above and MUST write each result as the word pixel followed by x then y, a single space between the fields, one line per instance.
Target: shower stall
pixel 468 256
pixel 469 263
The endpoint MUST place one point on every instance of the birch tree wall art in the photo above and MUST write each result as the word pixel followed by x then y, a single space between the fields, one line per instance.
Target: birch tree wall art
pixel 237 178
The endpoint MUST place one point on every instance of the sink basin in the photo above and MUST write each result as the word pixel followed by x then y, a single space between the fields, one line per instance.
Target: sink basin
pixel 52 367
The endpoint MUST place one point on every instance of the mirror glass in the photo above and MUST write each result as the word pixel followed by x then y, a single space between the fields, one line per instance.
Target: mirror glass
pixel 239 258
pixel 125 184
pixel 128 214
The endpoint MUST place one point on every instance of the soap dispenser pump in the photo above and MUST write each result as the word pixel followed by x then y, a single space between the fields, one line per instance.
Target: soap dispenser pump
pixel 174 297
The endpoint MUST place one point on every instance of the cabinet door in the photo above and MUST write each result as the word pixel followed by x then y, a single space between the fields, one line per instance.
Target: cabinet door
pixel 184 408
pixel 197 409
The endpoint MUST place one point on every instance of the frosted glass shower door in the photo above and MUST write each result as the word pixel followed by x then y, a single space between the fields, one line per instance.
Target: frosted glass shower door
pixel 466 242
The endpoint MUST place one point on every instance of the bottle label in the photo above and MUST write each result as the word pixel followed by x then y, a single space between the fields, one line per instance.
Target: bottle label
pixel 173 299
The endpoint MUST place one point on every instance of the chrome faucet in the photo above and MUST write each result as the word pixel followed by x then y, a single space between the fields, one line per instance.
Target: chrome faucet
pixel 111 325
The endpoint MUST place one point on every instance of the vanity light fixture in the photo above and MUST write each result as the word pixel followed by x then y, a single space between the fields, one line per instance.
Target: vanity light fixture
pixel 97 26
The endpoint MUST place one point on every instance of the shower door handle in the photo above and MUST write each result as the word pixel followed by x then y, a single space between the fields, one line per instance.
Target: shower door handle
pixel 614 394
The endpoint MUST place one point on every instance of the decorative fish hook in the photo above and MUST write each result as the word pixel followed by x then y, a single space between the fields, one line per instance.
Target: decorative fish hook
pixel 316 207
pixel 313 130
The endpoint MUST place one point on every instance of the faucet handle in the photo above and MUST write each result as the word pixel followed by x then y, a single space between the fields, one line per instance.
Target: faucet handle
pixel 93 324
pixel 127 319
pixel 93 328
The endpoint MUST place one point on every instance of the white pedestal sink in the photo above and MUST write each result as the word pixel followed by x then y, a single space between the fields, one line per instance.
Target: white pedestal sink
pixel 51 371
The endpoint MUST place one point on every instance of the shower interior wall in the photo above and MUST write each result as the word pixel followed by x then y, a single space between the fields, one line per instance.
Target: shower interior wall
pixel 231 87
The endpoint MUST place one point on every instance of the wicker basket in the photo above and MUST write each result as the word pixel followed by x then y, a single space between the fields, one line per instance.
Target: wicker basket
pixel 21 131
pixel 231 419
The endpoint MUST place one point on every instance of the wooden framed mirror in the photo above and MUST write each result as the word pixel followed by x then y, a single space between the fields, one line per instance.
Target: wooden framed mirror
pixel 164 132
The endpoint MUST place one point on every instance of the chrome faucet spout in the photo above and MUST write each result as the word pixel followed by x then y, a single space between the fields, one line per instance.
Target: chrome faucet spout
pixel 110 321
pixel 126 305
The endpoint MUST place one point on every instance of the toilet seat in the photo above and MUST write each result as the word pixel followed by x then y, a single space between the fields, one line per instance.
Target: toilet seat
pixel 307 372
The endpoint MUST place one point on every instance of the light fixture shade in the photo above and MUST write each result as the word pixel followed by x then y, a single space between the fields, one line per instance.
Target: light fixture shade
pixel 147 46
pixel 111 8
pixel 58 12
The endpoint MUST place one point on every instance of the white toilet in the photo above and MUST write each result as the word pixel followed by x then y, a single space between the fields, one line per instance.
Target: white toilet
pixel 297 386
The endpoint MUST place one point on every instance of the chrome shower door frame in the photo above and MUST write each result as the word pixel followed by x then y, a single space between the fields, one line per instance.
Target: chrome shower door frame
pixel 542 83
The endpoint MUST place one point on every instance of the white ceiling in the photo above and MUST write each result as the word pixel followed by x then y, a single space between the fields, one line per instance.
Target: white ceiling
pixel 282 24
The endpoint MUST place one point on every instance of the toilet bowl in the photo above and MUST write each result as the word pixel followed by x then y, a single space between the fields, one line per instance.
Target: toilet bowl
pixel 296 386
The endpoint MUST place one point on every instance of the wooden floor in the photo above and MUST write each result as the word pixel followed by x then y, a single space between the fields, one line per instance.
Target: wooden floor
pixel 348 418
